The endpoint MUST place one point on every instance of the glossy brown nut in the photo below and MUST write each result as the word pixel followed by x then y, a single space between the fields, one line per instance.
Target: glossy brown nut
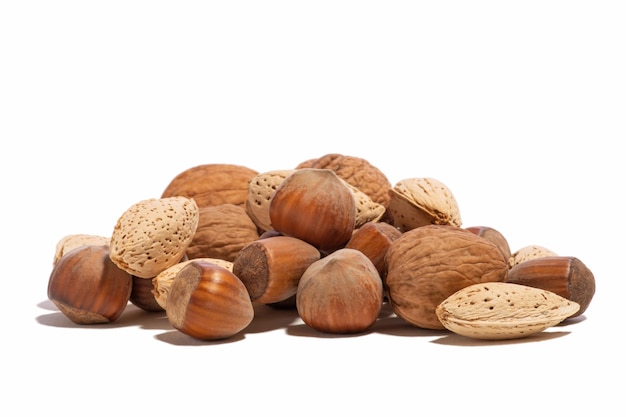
pixel 493 236
pixel 87 287
pixel 208 302
pixel 271 268
pixel 373 239
pixel 340 293
pixel 314 205
pixel 566 276
pixel 142 295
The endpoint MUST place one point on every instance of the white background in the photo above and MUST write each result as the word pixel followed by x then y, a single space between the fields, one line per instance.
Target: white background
pixel 518 107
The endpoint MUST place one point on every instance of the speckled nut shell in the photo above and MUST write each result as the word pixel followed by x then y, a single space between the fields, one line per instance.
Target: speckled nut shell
pixel 261 189
pixel 416 202
pixel 153 234
pixel 69 242
pixel 500 311
pixel 529 252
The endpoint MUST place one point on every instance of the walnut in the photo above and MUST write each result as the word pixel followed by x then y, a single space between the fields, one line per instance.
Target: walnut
pixel 428 264
pixel 212 184
pixel 222 231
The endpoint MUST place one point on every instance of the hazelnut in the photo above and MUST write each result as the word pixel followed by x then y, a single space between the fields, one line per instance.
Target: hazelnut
pixel 373 239
pixel 566 276
pixel 314 205
pixel 208 302
pixel 142 295
pixel 271 268
pixel 87 287
pixel 163 281
pixel 340 293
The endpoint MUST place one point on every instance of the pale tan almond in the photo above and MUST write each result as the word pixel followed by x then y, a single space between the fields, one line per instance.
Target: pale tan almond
pixel 153 234
pixel 529 252
pixel 500 310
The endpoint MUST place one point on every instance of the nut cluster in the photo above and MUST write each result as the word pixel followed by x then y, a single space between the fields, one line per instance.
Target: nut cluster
pixel 331 238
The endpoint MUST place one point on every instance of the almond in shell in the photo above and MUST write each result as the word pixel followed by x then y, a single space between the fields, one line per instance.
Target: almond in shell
pixel 501 310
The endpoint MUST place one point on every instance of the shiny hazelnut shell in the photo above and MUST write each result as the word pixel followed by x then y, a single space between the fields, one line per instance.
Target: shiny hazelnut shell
pixel 314 205
pixel 87 287
pixel 208 302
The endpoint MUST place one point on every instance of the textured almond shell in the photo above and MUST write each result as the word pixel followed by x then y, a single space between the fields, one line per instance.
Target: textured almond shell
pixel 69 242
pixel 154 234
pixel 261 189
pixel 529 252
pixel 416 202
pixel 499 310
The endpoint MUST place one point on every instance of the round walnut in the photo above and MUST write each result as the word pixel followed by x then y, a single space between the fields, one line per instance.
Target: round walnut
pixel 428 264
pixel 221 233
pixel 212 184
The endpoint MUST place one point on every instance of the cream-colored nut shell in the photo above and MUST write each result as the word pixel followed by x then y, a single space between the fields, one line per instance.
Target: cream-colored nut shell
pixel 154 234
pixel 499 310
pixel 367 210
pixel 261 189
pixel 163 281
pixel 416 202
pixel 69 242
pixel 529 252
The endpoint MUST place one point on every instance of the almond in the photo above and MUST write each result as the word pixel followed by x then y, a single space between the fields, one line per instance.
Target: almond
pixel 500 310
pixel 153 234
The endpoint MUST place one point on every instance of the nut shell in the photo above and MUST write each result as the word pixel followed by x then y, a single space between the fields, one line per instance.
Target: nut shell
pixel 208 302
pixel 499 310
pixel 340 293
pixel 87 287
pixel 162 283
pixel 356 171
pixel 314 205
pixel 153 234
pixel 271 268
pixel 221 233
pixel 416 202
pixel 566 276
pixel 428 264
pixel 212 184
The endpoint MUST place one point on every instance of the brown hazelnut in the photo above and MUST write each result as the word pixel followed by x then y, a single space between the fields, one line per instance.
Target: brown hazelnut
pixel 373 239
pixel 271 268
pixel 88 287
pixel 142 295
pixel 566 276
pixel 208 302
pixel 314 205
pixel 340 293
pixel 494 236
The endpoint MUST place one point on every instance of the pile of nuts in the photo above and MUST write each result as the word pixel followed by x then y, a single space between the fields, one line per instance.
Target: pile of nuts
pixel 331 238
